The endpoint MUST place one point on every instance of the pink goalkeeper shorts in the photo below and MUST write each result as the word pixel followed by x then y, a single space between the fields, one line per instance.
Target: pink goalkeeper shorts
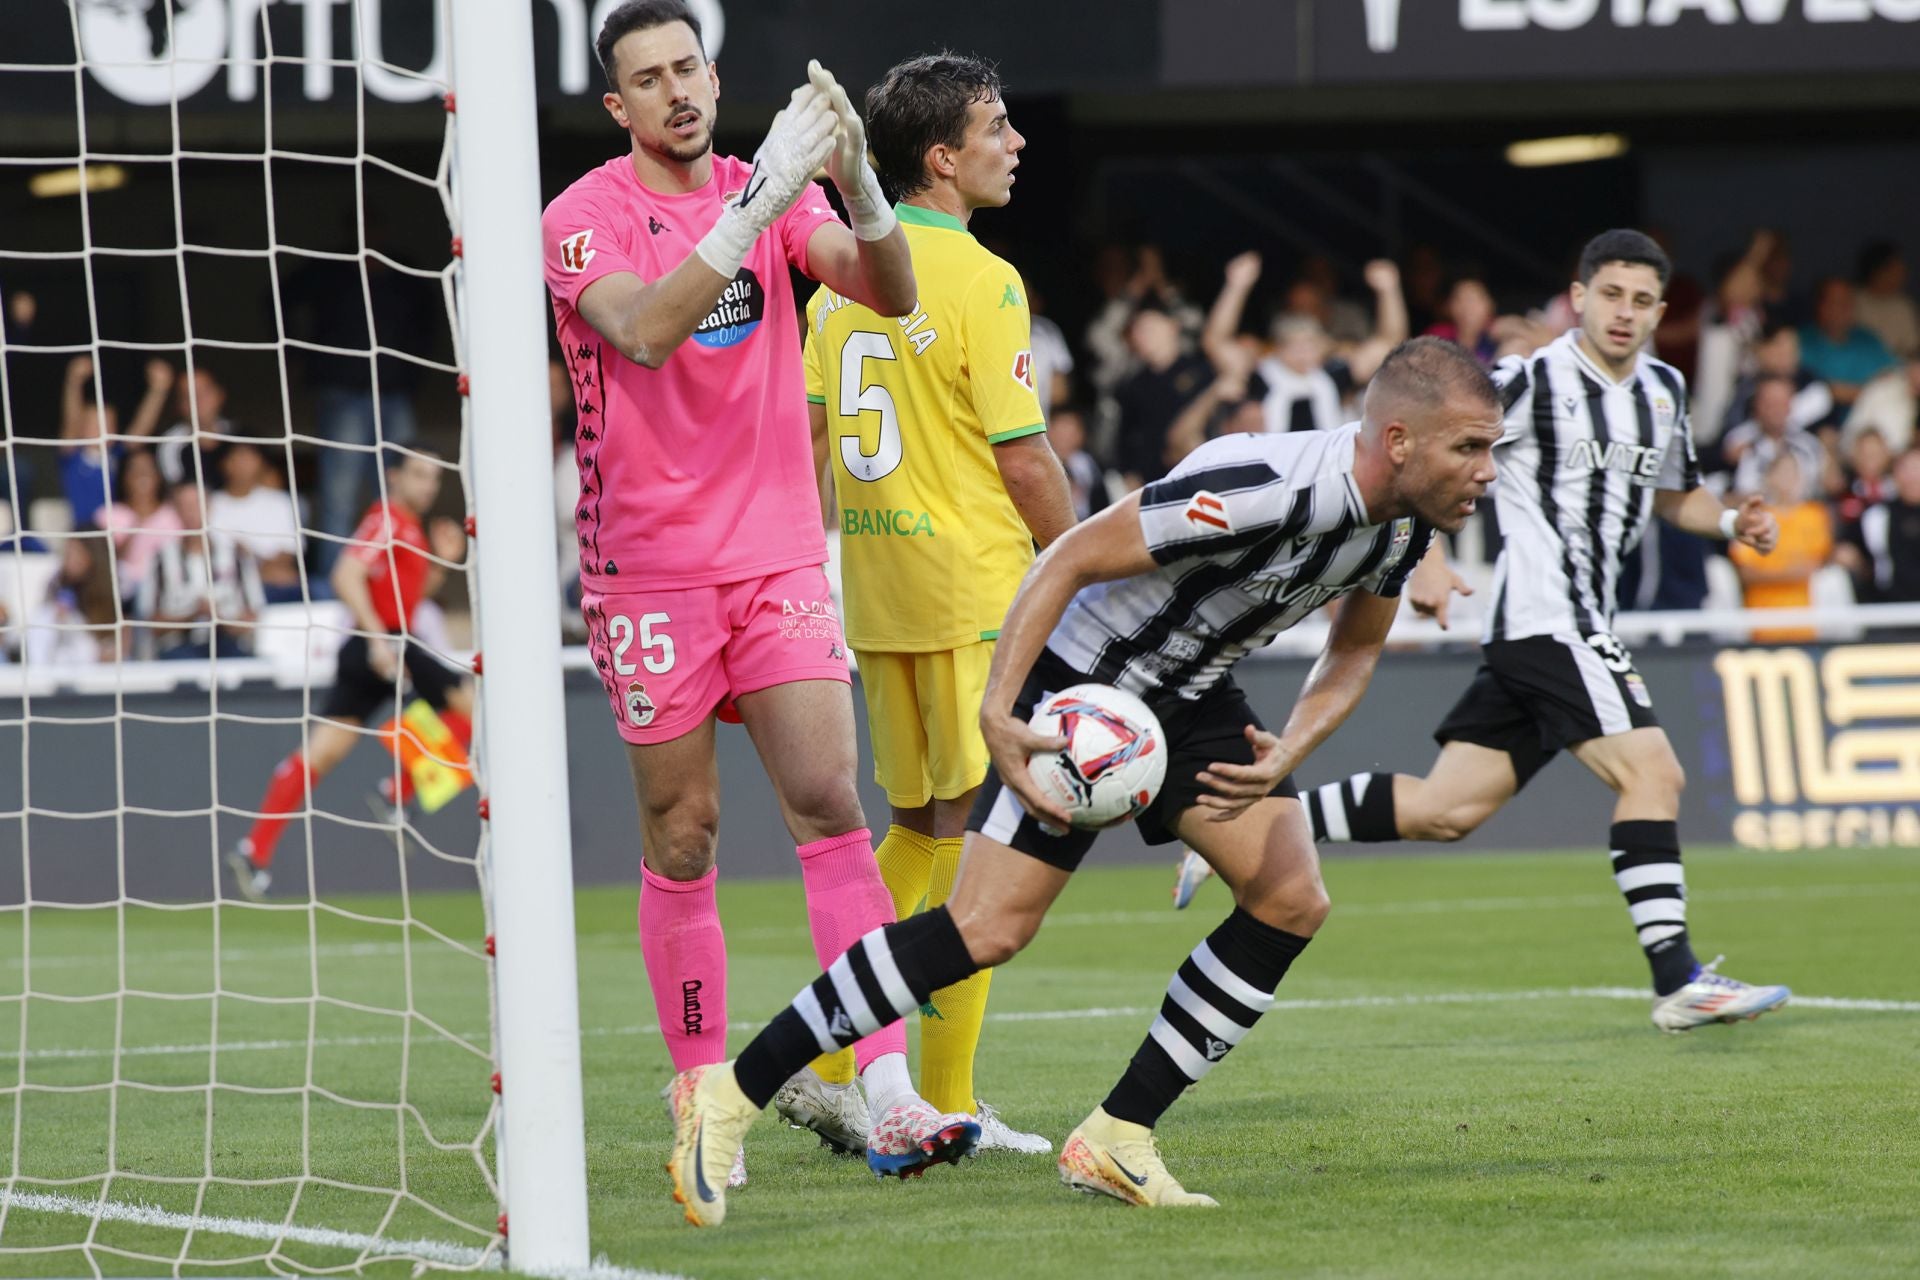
pixel 668 658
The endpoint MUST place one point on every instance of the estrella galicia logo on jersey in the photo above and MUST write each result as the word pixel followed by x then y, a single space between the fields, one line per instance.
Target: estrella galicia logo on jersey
pixel 1206 509
pixel 574 254
pixel 1023 368
pixel 640 707
pixel 738 313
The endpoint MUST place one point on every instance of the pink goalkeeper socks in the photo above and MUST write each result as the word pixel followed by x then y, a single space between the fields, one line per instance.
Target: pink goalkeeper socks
pixel 686 957
pixel 846 898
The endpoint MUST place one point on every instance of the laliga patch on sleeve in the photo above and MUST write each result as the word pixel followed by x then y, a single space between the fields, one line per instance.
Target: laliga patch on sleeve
pixel 1205 511
pixel 1023 368
pixel 574 254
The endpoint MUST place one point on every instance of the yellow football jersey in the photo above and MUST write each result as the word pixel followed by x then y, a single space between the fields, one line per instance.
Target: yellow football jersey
pixel 931 547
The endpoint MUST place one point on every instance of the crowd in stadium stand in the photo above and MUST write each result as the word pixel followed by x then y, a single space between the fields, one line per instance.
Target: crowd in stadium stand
pixel 1807 391
pixel 1804 391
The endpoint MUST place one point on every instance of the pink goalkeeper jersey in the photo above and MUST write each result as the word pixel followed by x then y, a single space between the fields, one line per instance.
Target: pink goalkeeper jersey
pixel 699 472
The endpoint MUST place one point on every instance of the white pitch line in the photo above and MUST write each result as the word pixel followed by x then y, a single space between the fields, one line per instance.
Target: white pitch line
pixel 1847 1003
pixel 1059 920
pixel 1464 906
pixel 440 1251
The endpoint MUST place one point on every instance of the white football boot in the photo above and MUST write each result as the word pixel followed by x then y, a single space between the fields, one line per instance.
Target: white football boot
pixel 837 1113
pixel 997 1135
pixel 1714 997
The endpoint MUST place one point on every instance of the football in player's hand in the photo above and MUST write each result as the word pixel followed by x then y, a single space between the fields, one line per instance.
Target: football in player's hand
pixel 1115 758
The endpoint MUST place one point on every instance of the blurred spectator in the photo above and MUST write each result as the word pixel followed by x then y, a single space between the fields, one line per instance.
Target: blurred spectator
pixel 1755 445
pixel 1777 355
pixel 1836 348
pixel 200 418
pixel 27 388
pixel 1233 402
pixel 1776 277
pixel 1469 322
pixel 1667 571
pixel 1727 335
pixel 1052 357
pixel 1884 554
pixel 1150 400
pixel 1067 433
pixel 85 455
pixel 331 303
pixel 78 622
pixel 260 515
pixel 1783 579
pixel 1425 277
pixel 1131 281
pixel 142 521
pixel 1305 381
pixel 1869 468
pixel 1316 292
pixel 1890 404
pixel 1677 337
pixel 1883 305
pixel 202 593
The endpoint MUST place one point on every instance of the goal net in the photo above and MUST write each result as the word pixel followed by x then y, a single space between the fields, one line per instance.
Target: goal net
pixel 241 305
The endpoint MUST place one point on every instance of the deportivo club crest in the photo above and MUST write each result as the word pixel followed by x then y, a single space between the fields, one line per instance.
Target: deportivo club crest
pixel 639 706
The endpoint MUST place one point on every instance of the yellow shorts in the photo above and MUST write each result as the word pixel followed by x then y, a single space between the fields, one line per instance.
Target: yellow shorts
pixel 923 710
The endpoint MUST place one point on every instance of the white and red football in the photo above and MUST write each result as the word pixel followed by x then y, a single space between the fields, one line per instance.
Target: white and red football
pixel 1115 758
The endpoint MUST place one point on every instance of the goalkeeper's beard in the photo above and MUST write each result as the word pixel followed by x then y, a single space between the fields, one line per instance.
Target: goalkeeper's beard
pixel 691 150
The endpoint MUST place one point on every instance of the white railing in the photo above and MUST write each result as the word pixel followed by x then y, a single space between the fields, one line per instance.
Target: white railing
pixel 292 668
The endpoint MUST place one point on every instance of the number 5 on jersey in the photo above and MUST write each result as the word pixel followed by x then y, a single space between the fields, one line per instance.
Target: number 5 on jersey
pixel 621 628
pixel 856 397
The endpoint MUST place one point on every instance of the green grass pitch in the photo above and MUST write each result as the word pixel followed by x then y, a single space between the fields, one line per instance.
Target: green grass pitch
pixel 1532 1124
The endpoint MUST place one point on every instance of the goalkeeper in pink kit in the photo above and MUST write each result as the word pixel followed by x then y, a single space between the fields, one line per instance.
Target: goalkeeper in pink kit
pixel 701 548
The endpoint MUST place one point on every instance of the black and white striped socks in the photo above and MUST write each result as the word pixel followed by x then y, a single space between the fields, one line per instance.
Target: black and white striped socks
pixel 882 978
pixel 1359 809
pixel 1215 997
pixel 1646 866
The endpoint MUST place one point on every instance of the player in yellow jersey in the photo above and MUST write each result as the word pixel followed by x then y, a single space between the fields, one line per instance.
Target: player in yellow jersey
pixel 943 481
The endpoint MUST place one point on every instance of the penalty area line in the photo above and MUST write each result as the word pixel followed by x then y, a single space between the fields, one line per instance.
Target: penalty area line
pixel 442 1252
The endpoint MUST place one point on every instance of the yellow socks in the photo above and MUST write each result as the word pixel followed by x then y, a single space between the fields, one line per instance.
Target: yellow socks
pixel 906 859
pixel 950 1024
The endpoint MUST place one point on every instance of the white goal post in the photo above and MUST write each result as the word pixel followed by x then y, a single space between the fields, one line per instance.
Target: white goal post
pixel 529 863
pixel 201 1071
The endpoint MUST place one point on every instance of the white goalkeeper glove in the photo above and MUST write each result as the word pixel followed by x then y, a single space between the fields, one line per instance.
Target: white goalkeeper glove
pixel 847 165
pixel 796 144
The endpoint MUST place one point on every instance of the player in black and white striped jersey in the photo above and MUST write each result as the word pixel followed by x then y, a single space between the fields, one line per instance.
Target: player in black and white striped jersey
pixel 1596 443
pixel 1161 594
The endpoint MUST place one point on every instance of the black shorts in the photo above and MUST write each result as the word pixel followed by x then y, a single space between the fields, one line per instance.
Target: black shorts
pixel 360 693
pixel 1533 696
pixel 1211 729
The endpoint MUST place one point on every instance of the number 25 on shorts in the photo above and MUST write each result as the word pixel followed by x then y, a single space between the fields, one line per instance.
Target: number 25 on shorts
pixel 622 630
